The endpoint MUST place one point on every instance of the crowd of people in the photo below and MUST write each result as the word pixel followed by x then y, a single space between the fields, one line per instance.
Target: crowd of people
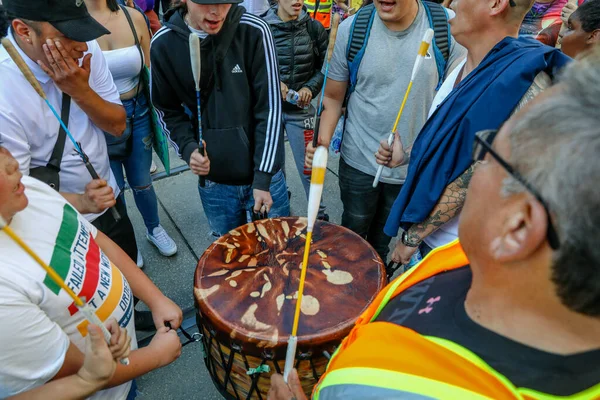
pixel 490 179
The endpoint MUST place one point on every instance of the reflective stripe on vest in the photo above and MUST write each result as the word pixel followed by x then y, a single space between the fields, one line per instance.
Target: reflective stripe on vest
pixel 373 383
pixel 323 14
pixel 409 364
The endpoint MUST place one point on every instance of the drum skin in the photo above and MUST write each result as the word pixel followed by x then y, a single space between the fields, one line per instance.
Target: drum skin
pixel 246 287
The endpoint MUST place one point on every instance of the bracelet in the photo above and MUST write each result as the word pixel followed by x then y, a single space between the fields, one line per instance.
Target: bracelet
pixel 406 242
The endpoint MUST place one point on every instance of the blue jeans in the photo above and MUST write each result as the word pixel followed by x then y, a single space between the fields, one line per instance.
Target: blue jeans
pixel 295 123
pixel 137 165
pixel 227 206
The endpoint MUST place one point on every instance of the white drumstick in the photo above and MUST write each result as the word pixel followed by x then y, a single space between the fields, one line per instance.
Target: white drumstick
pixel 319 168
pixel 418 62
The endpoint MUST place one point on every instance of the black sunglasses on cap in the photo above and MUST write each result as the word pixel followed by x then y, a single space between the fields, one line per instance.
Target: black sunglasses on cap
pixel 483 145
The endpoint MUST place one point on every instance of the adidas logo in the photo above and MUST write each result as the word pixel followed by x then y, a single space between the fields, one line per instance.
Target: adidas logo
pixel 236 69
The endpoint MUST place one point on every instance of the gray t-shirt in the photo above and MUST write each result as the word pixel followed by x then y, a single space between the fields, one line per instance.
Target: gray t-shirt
pixel 383 78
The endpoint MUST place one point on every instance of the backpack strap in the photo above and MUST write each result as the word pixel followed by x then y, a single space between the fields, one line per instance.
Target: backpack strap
pixel 438 20
pixel 357 43
pixel 314 36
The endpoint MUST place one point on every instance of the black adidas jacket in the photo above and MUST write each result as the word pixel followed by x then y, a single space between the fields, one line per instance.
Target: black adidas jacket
pixel 241 101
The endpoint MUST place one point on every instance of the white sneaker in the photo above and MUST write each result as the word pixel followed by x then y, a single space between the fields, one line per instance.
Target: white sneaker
pixel 153 167
pixel 140 260
pixel 163 242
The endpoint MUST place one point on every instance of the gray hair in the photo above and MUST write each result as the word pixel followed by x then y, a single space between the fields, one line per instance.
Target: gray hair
pixel 555 145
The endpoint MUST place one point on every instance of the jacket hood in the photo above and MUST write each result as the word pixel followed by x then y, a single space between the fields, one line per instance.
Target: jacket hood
pixel 214 45
pixel 272 18
pixel 174 19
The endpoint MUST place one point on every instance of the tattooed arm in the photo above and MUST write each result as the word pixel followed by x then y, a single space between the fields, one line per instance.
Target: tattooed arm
pixel 448 207
pixel 453 198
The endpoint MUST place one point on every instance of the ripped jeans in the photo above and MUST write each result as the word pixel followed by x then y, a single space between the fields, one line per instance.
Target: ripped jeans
pixel 137 165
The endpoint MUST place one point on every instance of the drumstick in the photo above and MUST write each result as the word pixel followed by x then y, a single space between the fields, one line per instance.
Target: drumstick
pixel 563 27
pixel 86 309
pixel 196 60
pixel 314 200
pixel 17 59
pixel 332 37
pixel 417 66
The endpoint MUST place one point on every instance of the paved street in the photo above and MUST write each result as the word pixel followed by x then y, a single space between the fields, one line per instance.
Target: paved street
pixel 182 216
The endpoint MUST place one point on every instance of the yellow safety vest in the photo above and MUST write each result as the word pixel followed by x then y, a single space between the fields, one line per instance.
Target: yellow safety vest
pixel 384 360
pixel 323 14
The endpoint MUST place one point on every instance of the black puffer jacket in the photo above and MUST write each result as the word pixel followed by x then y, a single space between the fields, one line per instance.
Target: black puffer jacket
pixel 299 63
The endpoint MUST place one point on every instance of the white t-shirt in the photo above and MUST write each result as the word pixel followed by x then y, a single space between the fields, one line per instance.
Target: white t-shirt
pixel 29 130
pixel 449 231
pixel 256 7
pixel 37 318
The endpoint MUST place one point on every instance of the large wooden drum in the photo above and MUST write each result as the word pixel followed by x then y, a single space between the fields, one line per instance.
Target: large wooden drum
pixel 246 287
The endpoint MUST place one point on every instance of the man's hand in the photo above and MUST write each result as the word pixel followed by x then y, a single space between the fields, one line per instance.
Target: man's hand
pixel 309 154
pixel 120 342
pixel 305 97
pixel 64 70
pixel 566 12
pixel 199 164
pixel 282 391
pixel 402 253
pixel 166 346
pixel 262 201
pixel 100 361
pixel 165 310
pixel 394 156
pixel 284 90
pixel 98 196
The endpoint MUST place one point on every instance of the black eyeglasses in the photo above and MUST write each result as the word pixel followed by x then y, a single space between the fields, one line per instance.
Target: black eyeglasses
pixel 483 145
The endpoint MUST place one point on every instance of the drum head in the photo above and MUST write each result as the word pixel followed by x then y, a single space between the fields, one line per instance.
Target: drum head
pixel 246 284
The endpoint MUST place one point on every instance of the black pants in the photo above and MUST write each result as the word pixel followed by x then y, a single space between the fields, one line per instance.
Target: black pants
pixel 366 209
pixel 119 232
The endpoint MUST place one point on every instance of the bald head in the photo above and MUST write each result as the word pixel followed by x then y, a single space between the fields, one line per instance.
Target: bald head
pixel 484 23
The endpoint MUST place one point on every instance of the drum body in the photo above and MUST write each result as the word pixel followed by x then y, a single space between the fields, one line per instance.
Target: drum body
pixel 246 287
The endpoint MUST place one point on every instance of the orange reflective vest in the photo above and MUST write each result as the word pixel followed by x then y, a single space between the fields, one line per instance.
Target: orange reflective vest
pixel 322 14
pixel 384 360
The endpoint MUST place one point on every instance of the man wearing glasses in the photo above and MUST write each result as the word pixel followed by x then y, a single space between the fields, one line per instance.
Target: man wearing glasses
pixel 513 310
pixel 500 74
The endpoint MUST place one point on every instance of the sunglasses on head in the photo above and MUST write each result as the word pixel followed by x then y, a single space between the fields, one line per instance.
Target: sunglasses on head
pixel 483 145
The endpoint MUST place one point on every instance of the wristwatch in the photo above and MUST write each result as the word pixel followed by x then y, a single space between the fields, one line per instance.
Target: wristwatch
pixel 407 242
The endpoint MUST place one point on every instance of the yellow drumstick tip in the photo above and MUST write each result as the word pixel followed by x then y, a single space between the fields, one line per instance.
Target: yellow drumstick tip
pixel 318 176
pixel 426 42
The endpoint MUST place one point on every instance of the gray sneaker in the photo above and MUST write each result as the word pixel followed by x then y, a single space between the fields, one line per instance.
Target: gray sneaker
pixel 140 260
pixel 163 242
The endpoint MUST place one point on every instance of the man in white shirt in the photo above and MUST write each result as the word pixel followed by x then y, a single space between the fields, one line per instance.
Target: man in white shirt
pixel 57 44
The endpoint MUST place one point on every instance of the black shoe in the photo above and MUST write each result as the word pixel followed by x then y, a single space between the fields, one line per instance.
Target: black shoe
pixel 143 321
pixel 324 217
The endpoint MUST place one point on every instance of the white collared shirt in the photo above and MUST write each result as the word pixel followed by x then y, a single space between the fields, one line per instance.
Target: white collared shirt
pixel 29 130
